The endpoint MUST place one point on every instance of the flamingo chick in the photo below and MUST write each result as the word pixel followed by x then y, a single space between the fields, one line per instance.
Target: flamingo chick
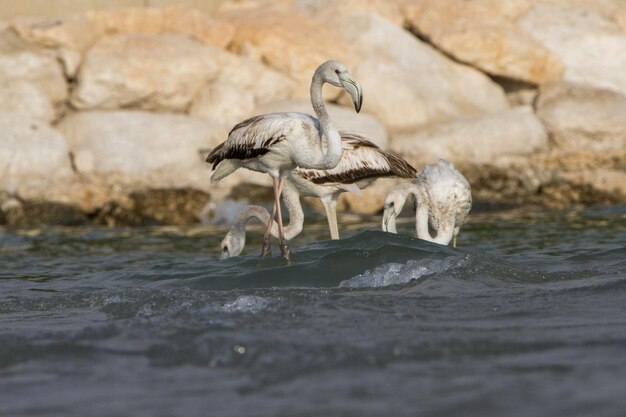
pixel 442 202
pixel 277 143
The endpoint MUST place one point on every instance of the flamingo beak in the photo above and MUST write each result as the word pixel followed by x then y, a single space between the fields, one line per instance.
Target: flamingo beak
pixel 225 254
pixel 389 220
pixel 353 88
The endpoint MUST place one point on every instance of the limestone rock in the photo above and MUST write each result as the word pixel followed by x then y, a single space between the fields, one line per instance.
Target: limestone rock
pixel 581 117
pixel 592 48
pixel 265 83
pixel 408 84
pixel 33 156
pixel 482 33
pixel 152 72
pixel 373 198
pixel 71 36
pixel 223 103
pixel 24 97
pixel 241 84
pixel 344 118
pixel 30 78
pixel 328 9
pixel 476 140
pixel 287 41
pixel 174 19
pixel 142 149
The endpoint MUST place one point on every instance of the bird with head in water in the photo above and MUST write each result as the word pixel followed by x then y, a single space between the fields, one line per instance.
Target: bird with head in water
pixel 277 143
pixel 442 202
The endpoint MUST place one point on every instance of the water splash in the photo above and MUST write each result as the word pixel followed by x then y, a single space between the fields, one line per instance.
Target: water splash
pixel 397 273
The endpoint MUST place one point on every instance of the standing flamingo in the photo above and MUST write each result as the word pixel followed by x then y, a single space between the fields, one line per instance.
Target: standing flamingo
pixel 361 164
pixel 277 143
pixel 442 200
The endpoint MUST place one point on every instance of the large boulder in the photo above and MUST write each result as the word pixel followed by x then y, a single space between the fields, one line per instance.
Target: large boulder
pixel 328 9
pixel 34 158
pixel 151 72
pixel 343 118
pixel 483 34
pixel 591 47
pixel 141 149
pixel 288 41
pixel 241 84
pixel 31 80
pixel 482 139
pixel 581 118
pixel 25 97
pixel 407 83
pixel 71 36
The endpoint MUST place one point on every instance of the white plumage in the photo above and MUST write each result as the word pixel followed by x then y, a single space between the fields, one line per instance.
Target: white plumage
pixel 277 143
pixel 362 162
pixel 442 198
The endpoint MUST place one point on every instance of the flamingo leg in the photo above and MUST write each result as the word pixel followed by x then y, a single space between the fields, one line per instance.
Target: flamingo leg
pixel 284 249
pixel 267 250
pixel 330 206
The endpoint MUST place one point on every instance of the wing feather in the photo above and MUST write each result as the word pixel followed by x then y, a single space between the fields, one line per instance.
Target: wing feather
pixel 361 159
pixel 255 136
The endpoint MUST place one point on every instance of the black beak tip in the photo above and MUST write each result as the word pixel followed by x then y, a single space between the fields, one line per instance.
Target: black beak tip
pixel 358 105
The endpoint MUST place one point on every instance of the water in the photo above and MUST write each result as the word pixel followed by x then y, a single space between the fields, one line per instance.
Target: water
pixel 526 318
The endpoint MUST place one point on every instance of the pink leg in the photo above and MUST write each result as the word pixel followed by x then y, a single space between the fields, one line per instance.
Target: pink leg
pixel 284 249
pixel 267 250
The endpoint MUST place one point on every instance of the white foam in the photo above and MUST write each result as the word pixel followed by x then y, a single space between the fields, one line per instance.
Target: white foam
pixel 396 273
pixel 247 304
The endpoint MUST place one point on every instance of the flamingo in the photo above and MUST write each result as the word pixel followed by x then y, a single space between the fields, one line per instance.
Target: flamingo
pixel 361 164
pixel 442 202
pixel 277 143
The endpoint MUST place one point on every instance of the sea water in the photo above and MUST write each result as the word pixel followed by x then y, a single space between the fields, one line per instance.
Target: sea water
pixel 527 317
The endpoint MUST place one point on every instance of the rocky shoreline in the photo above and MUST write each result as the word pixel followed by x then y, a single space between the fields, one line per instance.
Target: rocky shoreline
pixel 106 116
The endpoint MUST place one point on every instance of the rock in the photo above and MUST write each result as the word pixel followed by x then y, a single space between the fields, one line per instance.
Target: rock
pixel 223 103
pixel 33 157
pixel 372 200
pixel 152 72
pixel 592 48
pixel 241 84
pixel 19 213
pixel 20 63
pixel 589 187
pixel 174 19
pixel 325 10
pixel 24 97
pixel 266 84
pixel 287 41
pixel 620 17
pixel 408 84
pixel 482 33
pixel 344 118
pixel 477 140
pixel 154 207
pixel 606 8
pixel 142 149
pixel 71 36
pixel 581 117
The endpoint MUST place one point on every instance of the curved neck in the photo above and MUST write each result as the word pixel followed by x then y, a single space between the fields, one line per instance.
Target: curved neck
pixel 404 190
pixel 291 198
pixel 331 158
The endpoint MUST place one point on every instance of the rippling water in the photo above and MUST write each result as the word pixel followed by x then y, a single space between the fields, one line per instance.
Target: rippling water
pixel 526 318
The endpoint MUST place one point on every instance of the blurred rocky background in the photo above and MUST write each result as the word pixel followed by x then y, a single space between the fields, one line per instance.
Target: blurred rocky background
pixel 108 108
